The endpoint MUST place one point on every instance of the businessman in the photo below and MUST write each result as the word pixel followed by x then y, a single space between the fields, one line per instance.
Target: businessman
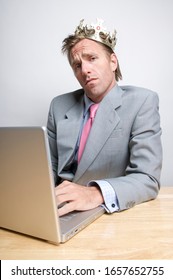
pixel 105 139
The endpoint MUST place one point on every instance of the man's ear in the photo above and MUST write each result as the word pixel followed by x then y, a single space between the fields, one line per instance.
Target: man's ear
pixel 114 62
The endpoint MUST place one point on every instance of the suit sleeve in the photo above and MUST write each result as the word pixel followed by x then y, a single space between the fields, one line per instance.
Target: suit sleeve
pixel 142 175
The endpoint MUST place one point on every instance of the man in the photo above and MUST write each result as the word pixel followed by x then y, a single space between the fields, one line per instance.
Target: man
pixel 120 163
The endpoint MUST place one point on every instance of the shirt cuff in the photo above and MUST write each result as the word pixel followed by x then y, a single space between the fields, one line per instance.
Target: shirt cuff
pixel 110 198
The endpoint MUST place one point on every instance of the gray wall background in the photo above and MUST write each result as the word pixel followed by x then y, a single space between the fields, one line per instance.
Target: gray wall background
pixel 33 70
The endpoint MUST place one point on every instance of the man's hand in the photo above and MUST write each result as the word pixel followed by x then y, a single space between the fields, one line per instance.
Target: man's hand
pixel 77 197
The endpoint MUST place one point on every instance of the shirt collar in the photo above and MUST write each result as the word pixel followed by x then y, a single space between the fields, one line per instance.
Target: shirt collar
pixel 87 103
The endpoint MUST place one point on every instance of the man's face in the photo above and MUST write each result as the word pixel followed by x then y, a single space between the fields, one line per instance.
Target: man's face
pixel 94 68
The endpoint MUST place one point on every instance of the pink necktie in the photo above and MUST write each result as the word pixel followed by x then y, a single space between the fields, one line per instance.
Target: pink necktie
pixel 86 129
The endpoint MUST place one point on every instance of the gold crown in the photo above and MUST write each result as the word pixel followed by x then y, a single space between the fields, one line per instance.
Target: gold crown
pixel 96 32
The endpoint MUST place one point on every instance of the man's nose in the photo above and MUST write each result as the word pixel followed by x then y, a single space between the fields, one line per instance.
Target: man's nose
pixel 85 68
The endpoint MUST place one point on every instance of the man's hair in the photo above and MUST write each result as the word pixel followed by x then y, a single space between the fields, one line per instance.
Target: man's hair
pixel 72 40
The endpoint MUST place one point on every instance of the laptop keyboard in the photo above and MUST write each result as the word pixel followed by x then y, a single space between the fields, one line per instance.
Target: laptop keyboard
pixel 68 216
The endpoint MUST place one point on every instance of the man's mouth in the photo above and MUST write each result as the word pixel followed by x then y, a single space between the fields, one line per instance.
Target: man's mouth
pixel 90 80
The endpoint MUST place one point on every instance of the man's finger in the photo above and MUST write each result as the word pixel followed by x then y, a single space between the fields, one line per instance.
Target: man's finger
pixel 68 207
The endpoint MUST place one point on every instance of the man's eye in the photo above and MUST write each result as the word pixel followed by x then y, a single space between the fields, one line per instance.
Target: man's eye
pixel 77 66
pixel 93 58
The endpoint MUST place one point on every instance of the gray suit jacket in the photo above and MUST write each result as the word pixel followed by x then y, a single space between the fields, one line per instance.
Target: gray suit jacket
pixel 124 145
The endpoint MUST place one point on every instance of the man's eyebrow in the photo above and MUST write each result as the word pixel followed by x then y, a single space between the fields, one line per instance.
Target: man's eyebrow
pixel 84 55
pixel 89 54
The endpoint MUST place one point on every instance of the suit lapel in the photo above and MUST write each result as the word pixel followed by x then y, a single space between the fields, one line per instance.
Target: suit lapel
pixel 105 122
pixel 69 131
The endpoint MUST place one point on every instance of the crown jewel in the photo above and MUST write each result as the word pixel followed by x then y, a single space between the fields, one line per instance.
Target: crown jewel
pixel 96 32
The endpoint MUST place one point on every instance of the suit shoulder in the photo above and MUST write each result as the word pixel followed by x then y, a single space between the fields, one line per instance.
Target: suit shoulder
pixel 137 97
pixel 138 91
pixel 71 97
pixel 62 103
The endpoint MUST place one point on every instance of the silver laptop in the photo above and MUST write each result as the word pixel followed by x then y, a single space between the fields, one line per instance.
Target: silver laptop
pixel 27 198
